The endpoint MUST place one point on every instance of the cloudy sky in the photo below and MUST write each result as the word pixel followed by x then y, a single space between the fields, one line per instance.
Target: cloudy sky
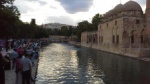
pixel 65 11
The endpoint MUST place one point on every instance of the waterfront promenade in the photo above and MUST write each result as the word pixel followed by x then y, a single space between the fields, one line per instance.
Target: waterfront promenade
pixel 10 75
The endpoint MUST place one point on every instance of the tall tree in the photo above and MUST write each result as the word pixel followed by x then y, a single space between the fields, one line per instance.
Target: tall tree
pixel 96 20
pixel 64 30
pixel 9 14
pixel 81 27
pixel 4 2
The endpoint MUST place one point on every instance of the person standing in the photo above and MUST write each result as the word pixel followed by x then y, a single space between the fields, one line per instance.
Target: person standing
pixel 14 54
pixel 2 73
pixel 26 70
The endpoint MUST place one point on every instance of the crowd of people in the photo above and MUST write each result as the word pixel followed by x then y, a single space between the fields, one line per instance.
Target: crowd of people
pixel 22 56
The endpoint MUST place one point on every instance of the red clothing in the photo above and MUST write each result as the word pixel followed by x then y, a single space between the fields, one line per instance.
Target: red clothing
pixel 20 51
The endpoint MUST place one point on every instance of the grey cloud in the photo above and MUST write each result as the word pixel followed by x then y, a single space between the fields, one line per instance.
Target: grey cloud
pixel 32 0
pixel 38 1
pixel 74 6
pixel 23 8
pixel 42 3
pixel 61 19
pixel 53 7
pixel 142 2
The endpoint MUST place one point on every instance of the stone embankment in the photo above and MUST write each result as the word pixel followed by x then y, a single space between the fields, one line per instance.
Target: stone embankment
pixel 146 59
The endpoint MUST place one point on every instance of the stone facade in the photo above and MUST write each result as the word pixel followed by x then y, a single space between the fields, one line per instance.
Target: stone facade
pixel 124 30
pixel 56 26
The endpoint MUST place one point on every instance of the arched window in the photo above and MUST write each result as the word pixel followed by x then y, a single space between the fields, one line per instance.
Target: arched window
pixel 117 39
pixel 113 39
pixel 125 39
pixel 142 39
pixel 101 39
pixel 132 38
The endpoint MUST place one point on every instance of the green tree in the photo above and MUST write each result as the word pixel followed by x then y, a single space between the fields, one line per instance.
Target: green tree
pixel 96 20
pixel 4 2
pixel 64 30
pixel 9 14
pixel 40 33
pixel 81 27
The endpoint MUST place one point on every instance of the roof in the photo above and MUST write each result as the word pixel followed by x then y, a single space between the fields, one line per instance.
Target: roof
pixel 128 6
pixel 132 5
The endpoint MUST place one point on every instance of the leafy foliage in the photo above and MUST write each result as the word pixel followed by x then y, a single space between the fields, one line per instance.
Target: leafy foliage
pixel 96 20
pixel 12 27
pixel 87 26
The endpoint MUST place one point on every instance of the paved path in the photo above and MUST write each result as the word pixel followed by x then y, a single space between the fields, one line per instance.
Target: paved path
pixel 10 75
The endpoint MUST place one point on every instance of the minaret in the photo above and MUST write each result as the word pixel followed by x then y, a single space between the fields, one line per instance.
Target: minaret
pixel 147 13
pixel 147 8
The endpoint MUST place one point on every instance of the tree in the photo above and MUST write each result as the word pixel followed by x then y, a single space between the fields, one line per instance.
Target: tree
pixel 64 30
pixel 81 27
pixel 40 33
pixel 9 14
pixel 4 2
pixel 96 20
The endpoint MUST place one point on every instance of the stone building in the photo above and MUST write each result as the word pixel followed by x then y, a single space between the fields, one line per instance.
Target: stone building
pixel 124 30
pixel 56 26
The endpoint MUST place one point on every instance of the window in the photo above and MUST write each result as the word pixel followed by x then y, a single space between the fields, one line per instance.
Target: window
pixel 101 39
pixel 96 38
pixel 132 39
pixel 115 22
pixel 87 38
pixel 107 24
pixel 100 26
pixel 141 39
pixel 113 40
pixel 137 21
pixel 117 39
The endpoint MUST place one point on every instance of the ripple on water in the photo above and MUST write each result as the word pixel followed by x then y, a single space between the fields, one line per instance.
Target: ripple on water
pixel 60 64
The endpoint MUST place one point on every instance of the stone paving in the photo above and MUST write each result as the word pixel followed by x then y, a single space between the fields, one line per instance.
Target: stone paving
pixel 10 75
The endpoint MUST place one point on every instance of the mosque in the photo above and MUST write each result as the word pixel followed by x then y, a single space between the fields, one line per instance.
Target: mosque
pixel 124 30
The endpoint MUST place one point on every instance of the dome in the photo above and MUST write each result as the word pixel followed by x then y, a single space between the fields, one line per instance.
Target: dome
pixel 118 8
pixel 109 13
pixel 132 5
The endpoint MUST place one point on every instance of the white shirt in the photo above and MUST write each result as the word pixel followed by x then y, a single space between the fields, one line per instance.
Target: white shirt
pixel 26 63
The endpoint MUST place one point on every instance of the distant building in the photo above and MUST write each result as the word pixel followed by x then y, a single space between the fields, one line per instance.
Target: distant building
pixel 55 25
pixel 33 21
pixel 124 30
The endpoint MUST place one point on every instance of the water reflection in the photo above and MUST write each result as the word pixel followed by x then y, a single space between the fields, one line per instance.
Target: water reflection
pixel 67 64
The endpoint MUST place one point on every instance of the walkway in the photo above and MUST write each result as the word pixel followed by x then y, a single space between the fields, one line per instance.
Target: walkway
pixel 10 75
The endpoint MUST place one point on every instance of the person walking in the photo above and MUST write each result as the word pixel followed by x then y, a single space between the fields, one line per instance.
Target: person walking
pixel 14 54
pixel 2 73
pixel 18 70
pixel 26 70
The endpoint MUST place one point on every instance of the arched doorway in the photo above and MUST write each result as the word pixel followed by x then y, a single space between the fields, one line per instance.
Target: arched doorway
pixel 125 39
pixel 145 38
pixel 134 39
